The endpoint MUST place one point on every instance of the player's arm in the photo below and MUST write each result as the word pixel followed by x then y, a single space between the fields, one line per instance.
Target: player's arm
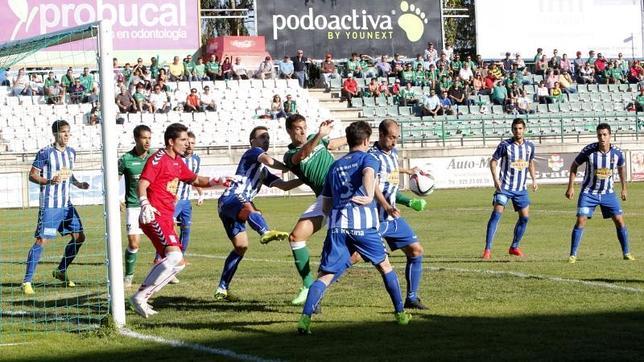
pixel 200 193
pixel 621 170
pixel 80 185
pixel 203 181
pixel 570 191
pixel 327 204
pixel 286 185
pixel 272 163
pixel 34 176
pixel 309 146
pixel 391 209
pixel 336 143
pixel 369 183
pixel 495 176
pixel 533 175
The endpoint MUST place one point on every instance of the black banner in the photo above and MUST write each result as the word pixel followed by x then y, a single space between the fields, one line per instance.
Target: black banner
pixel 342 27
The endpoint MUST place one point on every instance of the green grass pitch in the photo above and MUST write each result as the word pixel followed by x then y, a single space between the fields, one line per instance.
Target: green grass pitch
pixel 532 308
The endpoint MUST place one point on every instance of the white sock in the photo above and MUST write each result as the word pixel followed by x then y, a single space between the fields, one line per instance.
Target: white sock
pixel 298 245
pixel 160 275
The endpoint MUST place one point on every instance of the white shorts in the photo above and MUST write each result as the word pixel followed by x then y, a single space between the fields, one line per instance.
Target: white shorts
pixel 132 221
pixel 314 210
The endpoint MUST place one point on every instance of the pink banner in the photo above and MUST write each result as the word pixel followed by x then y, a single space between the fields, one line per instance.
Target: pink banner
pixel 137 24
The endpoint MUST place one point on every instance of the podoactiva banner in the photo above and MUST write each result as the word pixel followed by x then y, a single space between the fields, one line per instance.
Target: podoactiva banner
pixel 342 27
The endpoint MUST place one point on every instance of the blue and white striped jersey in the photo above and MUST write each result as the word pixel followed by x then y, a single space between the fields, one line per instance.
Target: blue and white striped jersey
pixel 194 164
pixel 600 168
pixel 515 162
pixel 388 177
pixel 343 182
pixel 53 162
pixel 250 176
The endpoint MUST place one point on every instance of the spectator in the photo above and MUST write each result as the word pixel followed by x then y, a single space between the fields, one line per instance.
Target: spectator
pixel 478 83
pixel 551 78
pixel 556 93
pixel 36 84
pixel 586 74
pixel 636 72
pixel 290 106
pixel 577 63
pixel 193 103
pixel 301 68
pixel 227 69
pixel 466 73
pixel 373 88
pixel 239 70
pixel 432 76
pixel 56 94
pixel 396 65
pixel 67 80
pixel 286 68
pixel 383 67
pixel 456 64
pixel 407 95
pixel 543 95
pixel 419 60
pixel 407 75
pixel 490 81
pixel 177 70
pixel 555 61
pixel 538 56
pixel 448 50
pixel 420 75
pixel 125 102
pixel 4 81
pixel 600 68
pixel 159 100
pixel 265 70
pixel 431 54
pixel 213 70
pixel 541 66
pixel 353 66
pixel 383 88
pixel 506 64
pixel 163 75
pixel 613 74
pixel 565 64
pixel 140 99
pixel 499 93
pixel 349 90
pixel 566 83
pixel 519 62
pixel 77 92
pixel 458 95
pixel 139 66
pixel 188 69
pixel 208 100
pixel 431 105
pixel 87 80
pixel 523 103
pixel 639 101
pixel 277 108
pixel 49 84
pixel 328 71
pixel 94 116
pixel 621 64
pixel 367 67
pixel 127 74
pixel 472 63
pixel 446 104
pixel 154 68
pixel 445 83
pixel 200 70
pixel 591 57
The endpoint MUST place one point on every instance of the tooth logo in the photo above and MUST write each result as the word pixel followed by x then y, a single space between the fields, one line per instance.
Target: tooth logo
pixel 21 9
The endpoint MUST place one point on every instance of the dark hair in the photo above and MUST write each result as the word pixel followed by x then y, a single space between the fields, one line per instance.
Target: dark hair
pixel 383 127
pixel 294 118
pixel 191 134
pixel 252 133
pixel 140 129
pixel 357 132
pixel 173 131
pixel 603 126
pixel 57 125
pixel 518 121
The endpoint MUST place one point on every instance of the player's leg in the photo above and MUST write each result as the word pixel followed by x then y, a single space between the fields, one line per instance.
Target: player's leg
pixel 248 213
pixel 392 286
pixel 308 224
pixel 499 201
pixel 33 258
pixel 521 203
pixel 49 221
pixel 133 242
pixel 71 226
pixel 239 239
pixel 586 205
pixel 610 207
pixel 184 218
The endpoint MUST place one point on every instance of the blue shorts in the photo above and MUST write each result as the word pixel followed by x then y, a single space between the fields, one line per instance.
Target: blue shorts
pixel 520 199
pixel 229 207
pixel 183 213
pixel 63 220
pixel 397 233
pixel 607 202
pixel 341 243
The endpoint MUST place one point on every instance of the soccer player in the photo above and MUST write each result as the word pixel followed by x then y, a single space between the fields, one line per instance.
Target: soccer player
pixel 393 228
pixel 309 158
pixel 53 171
pixel 131 165
pixel 157 195
pixel 236 204
pixel 602 160
pixel 517 160
pixel 348 200
pixel 183 209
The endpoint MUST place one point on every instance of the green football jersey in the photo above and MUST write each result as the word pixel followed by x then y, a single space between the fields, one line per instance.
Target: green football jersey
pixel 313 169
pixel 131 166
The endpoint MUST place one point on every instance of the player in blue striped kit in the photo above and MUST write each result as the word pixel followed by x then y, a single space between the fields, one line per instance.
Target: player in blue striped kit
pixel 236 204
pixel 348 200
pixel 183 208
pixel 516 156
pixel 602 161
pixel 393 228
pixel 53 171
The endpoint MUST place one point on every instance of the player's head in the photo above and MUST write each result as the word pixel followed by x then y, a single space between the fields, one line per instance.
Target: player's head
pixel 388 131
pixel 61 131
pixel 296 129
pixel 518 128
pixel 603 133
pixel 191 144
pixel 176 138
pixel 358 134
pixel 142 137
pixel 259 137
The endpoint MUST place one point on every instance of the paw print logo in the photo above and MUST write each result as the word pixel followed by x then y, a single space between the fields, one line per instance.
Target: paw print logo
pixel 412 21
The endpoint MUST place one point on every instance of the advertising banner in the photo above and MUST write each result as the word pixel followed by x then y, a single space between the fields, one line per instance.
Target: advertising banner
pixel 637 165
pixel 342 27
pixel 11 189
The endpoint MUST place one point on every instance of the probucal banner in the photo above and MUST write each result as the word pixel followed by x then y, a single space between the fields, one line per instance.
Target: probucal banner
pixel 342 27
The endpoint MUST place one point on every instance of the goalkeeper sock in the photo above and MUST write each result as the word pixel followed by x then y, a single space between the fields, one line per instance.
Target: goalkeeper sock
pixel 160 275
pixel 575 240
pixel 71 250
pixel 257 222
pixel 492 224
pixel 32 261
pixel 393 288
pixel 130 260
pixel 301 257
pixel 622 236
pixel 230 267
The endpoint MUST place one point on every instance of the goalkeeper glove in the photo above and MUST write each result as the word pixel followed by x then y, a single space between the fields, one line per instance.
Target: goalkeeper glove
pixel 147 211
pixel 219 181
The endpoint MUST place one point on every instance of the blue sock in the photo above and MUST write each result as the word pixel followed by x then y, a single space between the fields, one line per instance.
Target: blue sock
pixel 413 274
pixel 622 236
pixel 316 292
pixel 393 288
pixel 575 239
pixel 519 230
pixel 70 253
pixel 230 267
pixel 491 228
pixel 32 261
pixel 257 222
pixel 185 238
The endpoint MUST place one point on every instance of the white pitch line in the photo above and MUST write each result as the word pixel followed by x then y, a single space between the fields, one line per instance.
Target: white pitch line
pixel 13 344
pixel 193 346
pixel 464 270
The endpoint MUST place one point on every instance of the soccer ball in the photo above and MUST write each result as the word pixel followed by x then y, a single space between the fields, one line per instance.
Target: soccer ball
pixel 421 184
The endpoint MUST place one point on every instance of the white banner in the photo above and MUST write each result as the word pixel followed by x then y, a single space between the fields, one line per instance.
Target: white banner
pixel 11 189
pixel 457 172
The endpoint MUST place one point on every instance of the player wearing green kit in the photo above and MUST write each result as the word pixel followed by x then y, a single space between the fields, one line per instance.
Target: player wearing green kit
pixel 131 165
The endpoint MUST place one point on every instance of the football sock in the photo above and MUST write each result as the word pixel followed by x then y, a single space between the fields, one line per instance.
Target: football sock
pixel 160 275
pixel 316 292
pixel 492 224
pixel 70 253
pixel 575 239
pixel 402 199
pixel 413 274
pixel 32 261
pixel 519 230
pixel 185 238
pixel 230 267
pixel 301 257
pixel 130 260
pixel 393 288
pixel 622 236
pixel 257 222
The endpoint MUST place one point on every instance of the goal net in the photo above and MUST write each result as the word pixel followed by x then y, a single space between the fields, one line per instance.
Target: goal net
pixel 54 259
